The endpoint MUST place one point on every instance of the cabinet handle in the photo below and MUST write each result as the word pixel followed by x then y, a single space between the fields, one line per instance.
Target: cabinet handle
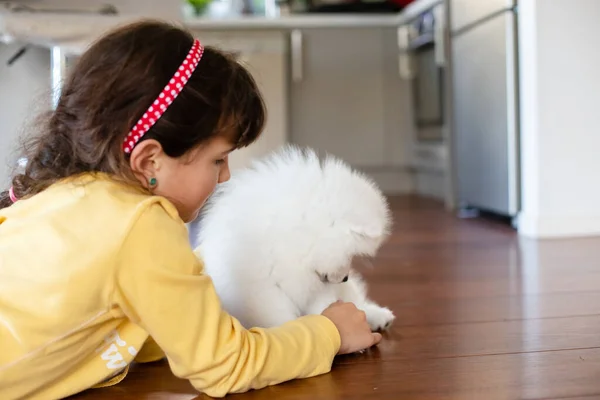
pixel 404 70
pixel 439 39
pixel 404 59
pixel 402 38
pixel 296 42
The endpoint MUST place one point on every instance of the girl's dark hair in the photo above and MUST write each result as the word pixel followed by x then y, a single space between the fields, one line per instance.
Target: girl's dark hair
pixel 110 88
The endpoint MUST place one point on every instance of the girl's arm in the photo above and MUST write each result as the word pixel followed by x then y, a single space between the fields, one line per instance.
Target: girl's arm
pixel 160 286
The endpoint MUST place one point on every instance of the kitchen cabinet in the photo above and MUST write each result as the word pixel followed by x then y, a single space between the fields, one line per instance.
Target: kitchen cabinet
pixel 336 86
pixel 336 90
pixel 345 97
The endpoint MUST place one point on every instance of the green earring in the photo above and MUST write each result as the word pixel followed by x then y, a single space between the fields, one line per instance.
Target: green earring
pixel 152 182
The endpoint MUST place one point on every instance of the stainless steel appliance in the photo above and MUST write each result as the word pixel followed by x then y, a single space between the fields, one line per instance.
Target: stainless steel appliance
pixel 485 104
pixel 426 46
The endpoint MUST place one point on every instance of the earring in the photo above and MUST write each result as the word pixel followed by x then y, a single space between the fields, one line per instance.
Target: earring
pixel 152 183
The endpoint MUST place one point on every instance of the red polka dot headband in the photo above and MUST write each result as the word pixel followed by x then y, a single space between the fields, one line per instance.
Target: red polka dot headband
pixel 11 194
pixel 165 98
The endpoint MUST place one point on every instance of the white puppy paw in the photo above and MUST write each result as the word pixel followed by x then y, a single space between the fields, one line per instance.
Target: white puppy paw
pixel 379 318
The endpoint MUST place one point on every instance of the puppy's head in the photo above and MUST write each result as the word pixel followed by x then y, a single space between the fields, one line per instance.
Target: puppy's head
pixel 351 217
pixel 300 217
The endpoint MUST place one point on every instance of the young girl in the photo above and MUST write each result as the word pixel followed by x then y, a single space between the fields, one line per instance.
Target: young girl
pixel 96 269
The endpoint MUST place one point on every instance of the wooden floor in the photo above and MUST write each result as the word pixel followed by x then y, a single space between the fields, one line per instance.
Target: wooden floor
pixel 481 314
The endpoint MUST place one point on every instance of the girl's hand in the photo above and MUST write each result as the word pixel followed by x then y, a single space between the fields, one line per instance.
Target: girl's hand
pixel 352 325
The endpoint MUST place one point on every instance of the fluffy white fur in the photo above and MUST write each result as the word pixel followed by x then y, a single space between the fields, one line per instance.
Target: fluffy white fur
pixel 279 238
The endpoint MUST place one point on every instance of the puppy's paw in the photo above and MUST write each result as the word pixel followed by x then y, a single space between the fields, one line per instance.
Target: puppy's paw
pixel 379 318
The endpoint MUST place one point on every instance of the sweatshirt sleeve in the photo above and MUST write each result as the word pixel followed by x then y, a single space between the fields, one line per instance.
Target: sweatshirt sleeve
pixel 161 287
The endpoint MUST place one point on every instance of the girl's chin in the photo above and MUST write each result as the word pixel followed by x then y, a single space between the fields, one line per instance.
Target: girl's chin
pixel 191 217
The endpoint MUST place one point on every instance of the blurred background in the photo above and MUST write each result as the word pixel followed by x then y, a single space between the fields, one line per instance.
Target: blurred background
pixel 487 106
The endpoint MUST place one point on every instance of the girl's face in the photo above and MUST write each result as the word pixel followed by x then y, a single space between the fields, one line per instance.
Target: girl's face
pixel 187 181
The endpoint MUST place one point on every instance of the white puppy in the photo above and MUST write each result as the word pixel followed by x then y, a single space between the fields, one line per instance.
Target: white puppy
pixel 279 238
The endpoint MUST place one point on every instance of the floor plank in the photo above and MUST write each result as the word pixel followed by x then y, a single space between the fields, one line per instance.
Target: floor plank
pixel 540 375
pixel 482 314
pixel 436 311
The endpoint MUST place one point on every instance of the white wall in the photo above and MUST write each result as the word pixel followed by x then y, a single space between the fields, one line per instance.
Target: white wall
pixel 560 74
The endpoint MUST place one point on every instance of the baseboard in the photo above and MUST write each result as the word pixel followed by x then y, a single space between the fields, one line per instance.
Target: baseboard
pixel 542 227
pixel 430 183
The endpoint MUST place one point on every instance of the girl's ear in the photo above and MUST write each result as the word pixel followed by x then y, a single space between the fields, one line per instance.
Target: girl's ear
pixel 145 160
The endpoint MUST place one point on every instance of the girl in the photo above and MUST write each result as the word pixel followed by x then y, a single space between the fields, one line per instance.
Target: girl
pixel 96 269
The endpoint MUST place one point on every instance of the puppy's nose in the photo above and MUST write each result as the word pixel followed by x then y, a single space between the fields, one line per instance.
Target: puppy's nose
pixel 345 279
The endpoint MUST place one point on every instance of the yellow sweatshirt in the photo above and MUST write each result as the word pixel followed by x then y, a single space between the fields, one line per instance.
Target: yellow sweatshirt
pixel 91 270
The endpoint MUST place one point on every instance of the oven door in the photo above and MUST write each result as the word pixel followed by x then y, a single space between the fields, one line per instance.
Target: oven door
pixel 428 86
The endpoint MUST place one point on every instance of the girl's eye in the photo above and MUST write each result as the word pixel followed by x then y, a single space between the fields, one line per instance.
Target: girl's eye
pixel 219 162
